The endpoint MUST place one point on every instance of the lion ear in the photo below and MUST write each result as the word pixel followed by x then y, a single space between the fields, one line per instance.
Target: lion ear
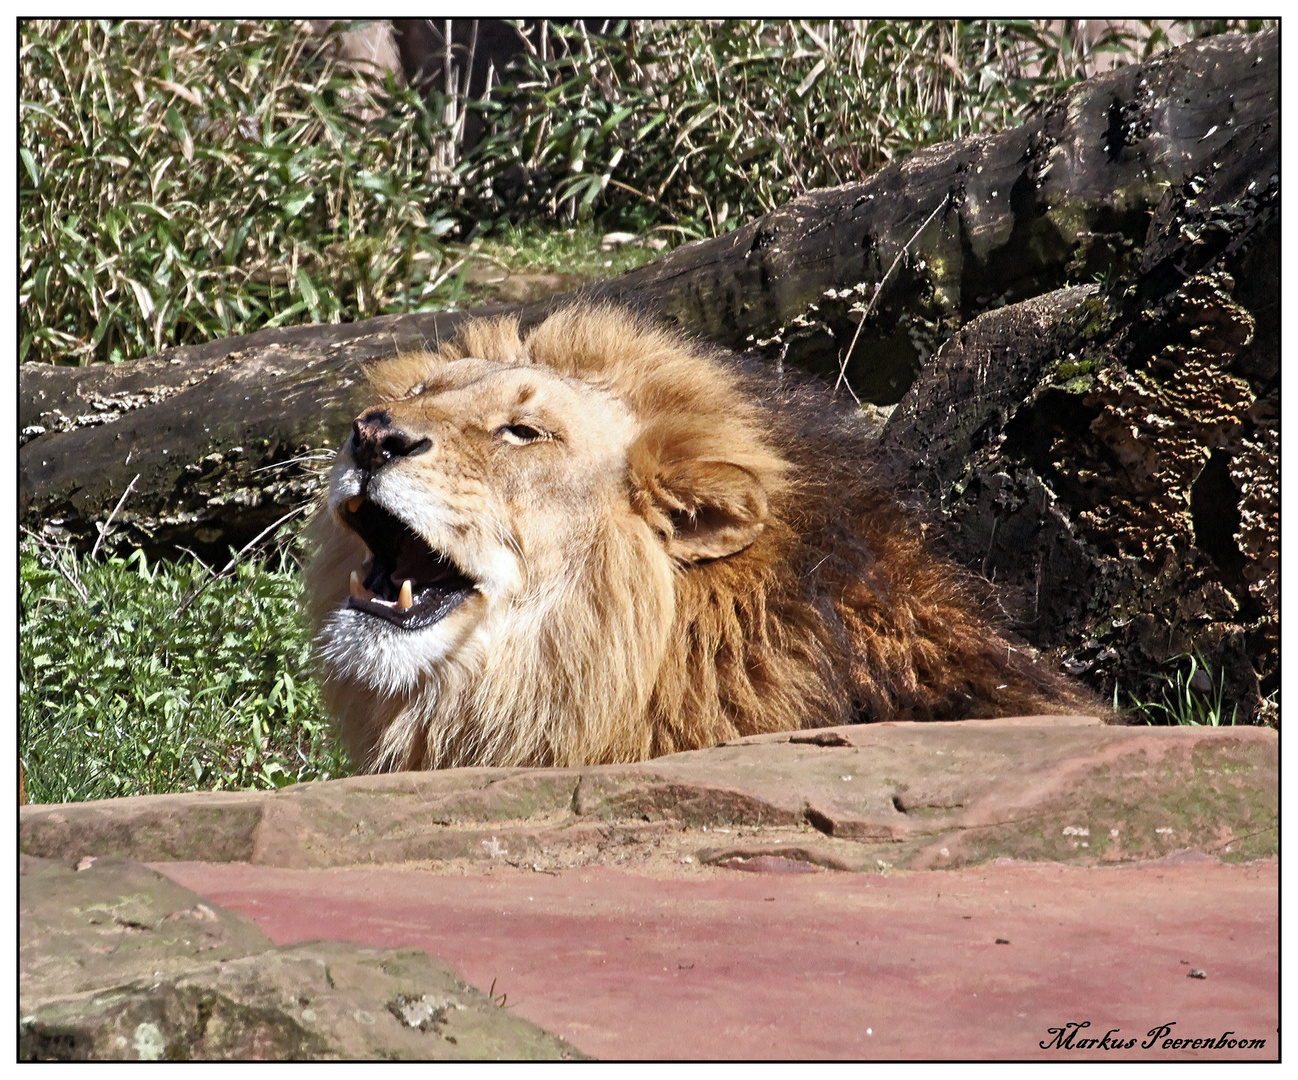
pixel 400 376
pixel 716 508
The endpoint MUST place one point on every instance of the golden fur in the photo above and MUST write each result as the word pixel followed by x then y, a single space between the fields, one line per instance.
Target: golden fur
pixel 691 553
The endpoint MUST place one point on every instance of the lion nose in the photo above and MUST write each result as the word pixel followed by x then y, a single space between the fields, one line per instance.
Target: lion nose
pixel 376 441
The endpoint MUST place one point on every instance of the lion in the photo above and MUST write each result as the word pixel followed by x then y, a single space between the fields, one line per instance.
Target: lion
pixel 601 541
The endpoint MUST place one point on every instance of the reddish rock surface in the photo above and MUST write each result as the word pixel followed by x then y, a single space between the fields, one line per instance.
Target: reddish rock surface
pixel 116 962
pixel 1013 877
pixel 975 963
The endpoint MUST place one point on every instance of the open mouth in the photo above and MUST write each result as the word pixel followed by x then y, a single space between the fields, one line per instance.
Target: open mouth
pixel 409 584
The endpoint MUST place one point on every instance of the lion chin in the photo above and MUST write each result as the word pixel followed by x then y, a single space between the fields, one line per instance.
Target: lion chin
pixel 602 542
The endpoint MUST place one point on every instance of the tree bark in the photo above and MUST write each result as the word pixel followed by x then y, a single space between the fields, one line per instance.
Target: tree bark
pixel 230 436
pixel 1109 457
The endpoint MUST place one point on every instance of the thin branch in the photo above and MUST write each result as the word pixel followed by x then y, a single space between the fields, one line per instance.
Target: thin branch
pixel 240 553
pixel 878 289
pixel 104 530
pixel 322 454
pixel 635 191
pixel 195 556
pixel 450 270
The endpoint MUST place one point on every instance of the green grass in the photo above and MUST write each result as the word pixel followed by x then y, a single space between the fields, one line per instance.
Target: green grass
pixel 1184 700
pixel 136 679
pixel 572 250
pixel 705 124
pixel 182 180
pixel 528 254
pixel 186 180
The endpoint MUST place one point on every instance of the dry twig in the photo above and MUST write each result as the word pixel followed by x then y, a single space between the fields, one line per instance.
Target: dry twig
pixel 878 289
pixel 103 531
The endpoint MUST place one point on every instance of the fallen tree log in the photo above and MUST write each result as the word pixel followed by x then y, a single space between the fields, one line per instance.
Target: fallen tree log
pixel 1109 458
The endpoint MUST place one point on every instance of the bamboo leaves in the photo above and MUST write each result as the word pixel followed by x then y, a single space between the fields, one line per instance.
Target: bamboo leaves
pixel 168 169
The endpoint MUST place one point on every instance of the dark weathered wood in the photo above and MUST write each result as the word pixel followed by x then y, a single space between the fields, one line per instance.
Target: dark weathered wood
pixel 1109 458
pixel 1031 209
pixel 975 385
pixel 212 430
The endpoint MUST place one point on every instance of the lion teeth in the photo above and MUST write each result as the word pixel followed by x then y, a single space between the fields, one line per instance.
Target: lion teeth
pixel 353 504
pixel 407 598
pixel 358 590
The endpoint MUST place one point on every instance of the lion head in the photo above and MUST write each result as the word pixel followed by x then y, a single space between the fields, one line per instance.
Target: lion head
pixel 595 542
pixel 505 532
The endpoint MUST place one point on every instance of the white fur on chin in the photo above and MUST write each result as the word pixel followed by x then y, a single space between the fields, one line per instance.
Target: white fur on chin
pixel 362 649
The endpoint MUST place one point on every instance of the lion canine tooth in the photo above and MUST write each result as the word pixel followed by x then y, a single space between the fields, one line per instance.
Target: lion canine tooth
pixel 353 504
pixel 407 598
pixel 358 590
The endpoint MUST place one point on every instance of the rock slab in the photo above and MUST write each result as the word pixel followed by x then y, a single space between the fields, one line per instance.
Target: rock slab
pixel 706 963
pixel 858 797
pixel 118 962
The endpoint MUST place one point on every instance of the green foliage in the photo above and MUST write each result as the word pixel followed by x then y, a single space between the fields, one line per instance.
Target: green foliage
pixel 185 180
pixel 181 182
pixel 1185 700
pixel 575 254
pixel 136 679
pixel 705 123
pixel 576 249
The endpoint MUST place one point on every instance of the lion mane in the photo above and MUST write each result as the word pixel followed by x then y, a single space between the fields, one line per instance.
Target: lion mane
pixel 629 544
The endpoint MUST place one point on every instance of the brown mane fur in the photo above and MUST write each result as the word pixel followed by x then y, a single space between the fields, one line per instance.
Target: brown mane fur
pixel 836 611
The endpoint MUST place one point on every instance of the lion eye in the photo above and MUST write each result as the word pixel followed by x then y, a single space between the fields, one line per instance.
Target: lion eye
pixel 521 434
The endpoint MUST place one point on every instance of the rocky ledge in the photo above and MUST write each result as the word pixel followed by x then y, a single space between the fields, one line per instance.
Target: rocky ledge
pixel 860 797
pixel 119 961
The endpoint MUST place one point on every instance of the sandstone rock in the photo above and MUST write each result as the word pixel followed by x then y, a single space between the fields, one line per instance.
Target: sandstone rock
pixel 682 961
pixel 118 962
pixel 906 794
pixel 678 907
